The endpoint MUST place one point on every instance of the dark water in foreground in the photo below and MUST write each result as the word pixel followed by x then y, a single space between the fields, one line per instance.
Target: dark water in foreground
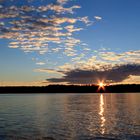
pixel 70 116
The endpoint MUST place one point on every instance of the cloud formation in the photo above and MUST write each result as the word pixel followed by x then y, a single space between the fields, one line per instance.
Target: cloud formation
pixel 113 75
pixel 98 17
pixel 50 71
pixel 35 28
pixel 106 66
pixel 40 63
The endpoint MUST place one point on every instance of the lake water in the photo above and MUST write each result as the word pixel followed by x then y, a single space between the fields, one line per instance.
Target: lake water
pixel 70 116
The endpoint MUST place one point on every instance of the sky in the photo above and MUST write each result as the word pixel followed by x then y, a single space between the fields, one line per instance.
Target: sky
pixel 69 42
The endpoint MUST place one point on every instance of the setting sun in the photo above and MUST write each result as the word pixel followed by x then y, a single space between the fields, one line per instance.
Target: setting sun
pixel 101 85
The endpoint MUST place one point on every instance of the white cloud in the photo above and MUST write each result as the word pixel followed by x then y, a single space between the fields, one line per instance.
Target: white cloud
pixel 71 28
pixel 40 63
pixel 14 46
pixel 51 71
pixel 46 33
pixel 98 17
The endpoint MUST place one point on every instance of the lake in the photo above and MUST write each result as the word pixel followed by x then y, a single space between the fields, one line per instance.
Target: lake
pixel 70 116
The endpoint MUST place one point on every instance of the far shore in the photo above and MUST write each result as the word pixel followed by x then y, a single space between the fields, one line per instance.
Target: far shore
pixel 126 88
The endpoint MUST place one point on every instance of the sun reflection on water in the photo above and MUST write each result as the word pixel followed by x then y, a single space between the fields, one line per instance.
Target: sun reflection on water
pixel 101 113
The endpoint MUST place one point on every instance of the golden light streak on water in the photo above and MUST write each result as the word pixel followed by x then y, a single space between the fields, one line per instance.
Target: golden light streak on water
pixel 101 113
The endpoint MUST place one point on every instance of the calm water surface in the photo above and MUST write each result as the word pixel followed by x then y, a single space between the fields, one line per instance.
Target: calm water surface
pixel 70 116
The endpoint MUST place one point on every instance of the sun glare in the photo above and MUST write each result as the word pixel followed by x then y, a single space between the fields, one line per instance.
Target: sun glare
pixel 101 84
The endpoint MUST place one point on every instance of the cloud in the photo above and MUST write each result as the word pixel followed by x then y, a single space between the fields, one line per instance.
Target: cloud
pixel 113 75
pixel 40 63
pixel 58 8
pixel 70 28
pixel 33 28
pixel 100 60
pixel 78 58
pixel 65 67
pixel 98 17
pixel 50 71
pixel 111 67
pixel 125 57
pixel 14 46
pixel 86 20
pixel 62 1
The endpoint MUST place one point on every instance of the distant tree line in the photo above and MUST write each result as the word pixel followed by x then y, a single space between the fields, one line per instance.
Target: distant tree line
pixel 72 89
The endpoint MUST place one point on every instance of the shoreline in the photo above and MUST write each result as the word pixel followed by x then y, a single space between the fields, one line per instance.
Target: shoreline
pixel 135 88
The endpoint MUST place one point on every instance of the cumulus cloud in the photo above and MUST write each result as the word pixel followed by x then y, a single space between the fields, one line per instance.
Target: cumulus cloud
pixel 113 75
pixel 33 28
pixel 106 65
pixel 125 57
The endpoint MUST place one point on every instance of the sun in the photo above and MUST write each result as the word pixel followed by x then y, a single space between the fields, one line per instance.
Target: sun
pixel 101 85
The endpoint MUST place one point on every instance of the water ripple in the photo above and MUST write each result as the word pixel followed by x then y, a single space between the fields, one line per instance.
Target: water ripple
pixel 70 117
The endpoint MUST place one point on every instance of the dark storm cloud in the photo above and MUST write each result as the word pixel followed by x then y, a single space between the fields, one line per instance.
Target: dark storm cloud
pixel 116 74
